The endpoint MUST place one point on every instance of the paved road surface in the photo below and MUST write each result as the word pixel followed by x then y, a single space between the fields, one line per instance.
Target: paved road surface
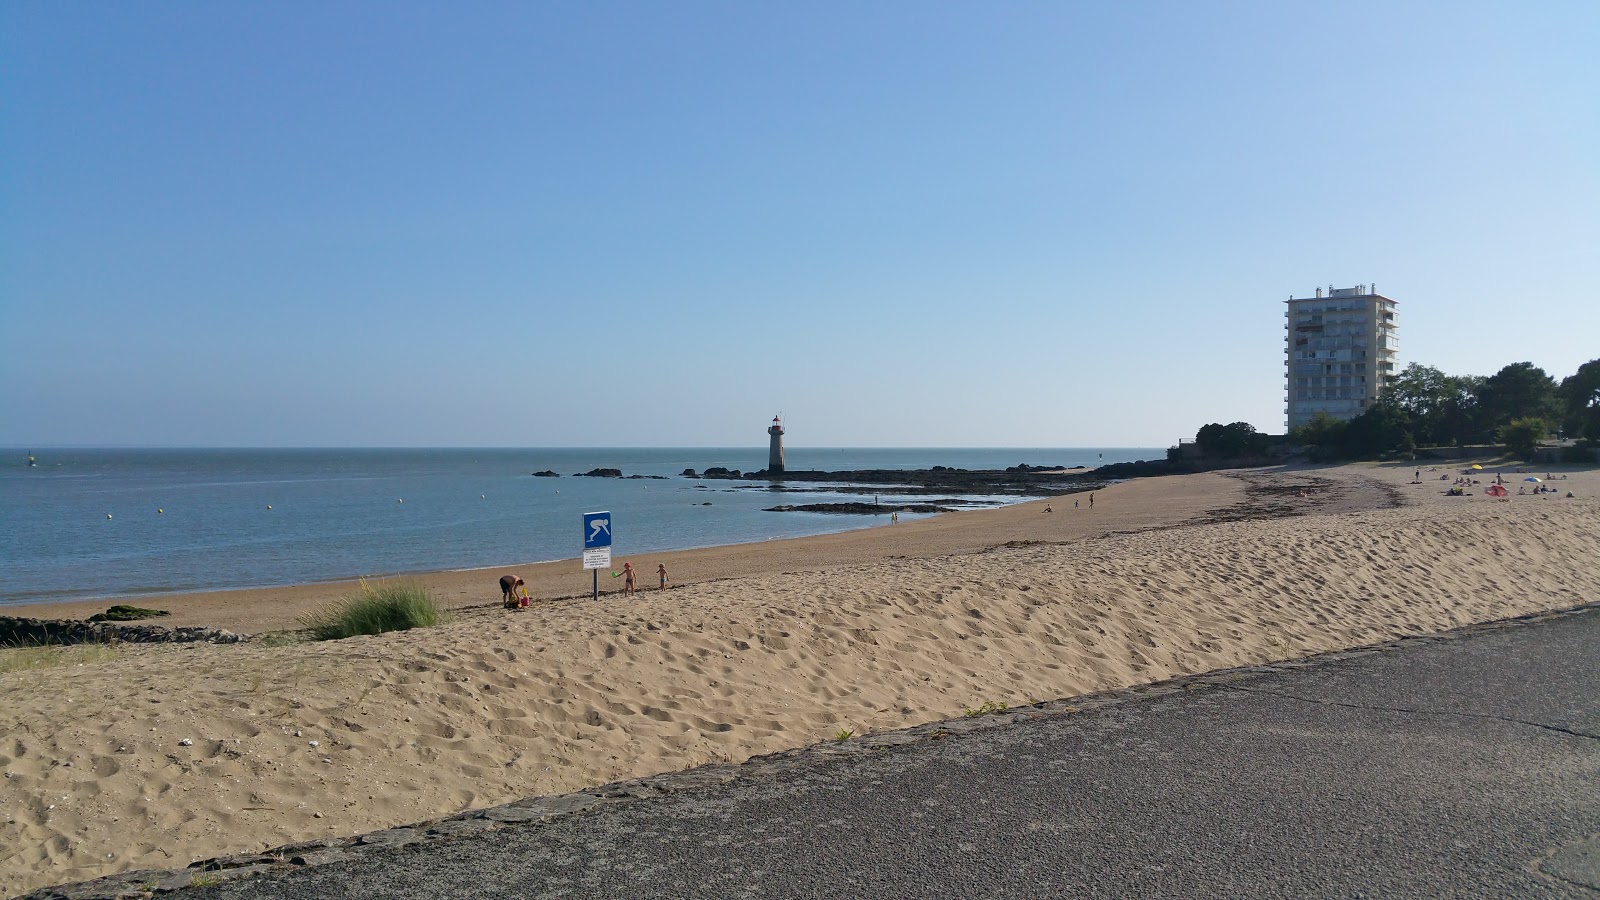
pixel 1459 768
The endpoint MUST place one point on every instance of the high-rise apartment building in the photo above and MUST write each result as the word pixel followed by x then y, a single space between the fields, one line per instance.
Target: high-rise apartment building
pixel 1340 349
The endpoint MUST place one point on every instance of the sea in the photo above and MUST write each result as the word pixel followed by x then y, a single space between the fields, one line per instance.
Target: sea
pixel 91 523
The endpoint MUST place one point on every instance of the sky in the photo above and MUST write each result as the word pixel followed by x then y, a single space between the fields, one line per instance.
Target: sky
pixel 1041 224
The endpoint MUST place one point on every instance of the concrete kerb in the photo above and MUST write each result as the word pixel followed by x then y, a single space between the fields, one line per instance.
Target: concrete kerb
pixel 537 811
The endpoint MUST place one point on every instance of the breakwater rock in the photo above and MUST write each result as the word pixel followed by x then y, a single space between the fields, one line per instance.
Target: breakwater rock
pixel 1021 479
pixel 857 509
pixel 16 631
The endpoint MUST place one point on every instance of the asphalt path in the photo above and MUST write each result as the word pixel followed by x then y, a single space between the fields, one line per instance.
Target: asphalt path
pixel 1460 767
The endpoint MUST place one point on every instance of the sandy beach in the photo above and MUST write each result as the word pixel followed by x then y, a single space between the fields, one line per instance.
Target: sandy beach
pixel 157 756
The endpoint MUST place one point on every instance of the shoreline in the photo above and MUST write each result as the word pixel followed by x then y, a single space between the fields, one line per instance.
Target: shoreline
pixel 995 487
pixel 151 756
pixel 1149 502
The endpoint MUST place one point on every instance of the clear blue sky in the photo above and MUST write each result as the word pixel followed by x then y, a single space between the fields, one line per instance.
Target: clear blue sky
pixel 901 224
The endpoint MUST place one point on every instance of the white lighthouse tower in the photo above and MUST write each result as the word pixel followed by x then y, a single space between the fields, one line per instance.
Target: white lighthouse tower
pixel 775 449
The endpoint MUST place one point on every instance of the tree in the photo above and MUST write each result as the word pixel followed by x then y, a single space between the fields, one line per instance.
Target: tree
pixel 1440 407
pixel 1518 391
pixel 1462 420
pixel 1522 436
pixel 1580 401
pixel 1323 436
pixel 1383 429
pixel 1230 441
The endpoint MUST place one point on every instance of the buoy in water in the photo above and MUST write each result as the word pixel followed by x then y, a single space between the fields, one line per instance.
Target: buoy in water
pixel 269 506
pixel 160 510
pixel 108 515
pixel 399 501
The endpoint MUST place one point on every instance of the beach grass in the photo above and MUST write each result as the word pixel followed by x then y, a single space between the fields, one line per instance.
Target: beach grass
pixel 375 609
pixel 50 656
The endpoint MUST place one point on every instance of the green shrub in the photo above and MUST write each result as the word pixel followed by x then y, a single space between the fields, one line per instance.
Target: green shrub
pixel 395 606
pixel 1522 436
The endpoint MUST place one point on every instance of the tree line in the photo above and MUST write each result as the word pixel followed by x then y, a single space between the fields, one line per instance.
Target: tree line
pixel 1518 406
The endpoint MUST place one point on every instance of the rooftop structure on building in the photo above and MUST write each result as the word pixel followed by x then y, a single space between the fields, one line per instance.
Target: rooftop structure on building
pixel 1340 347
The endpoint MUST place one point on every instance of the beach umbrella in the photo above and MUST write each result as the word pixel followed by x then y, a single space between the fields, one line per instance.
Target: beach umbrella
pixel 1497 490
pixel 1533 479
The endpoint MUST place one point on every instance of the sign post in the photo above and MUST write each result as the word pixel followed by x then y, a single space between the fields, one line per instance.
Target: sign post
pixel 597 545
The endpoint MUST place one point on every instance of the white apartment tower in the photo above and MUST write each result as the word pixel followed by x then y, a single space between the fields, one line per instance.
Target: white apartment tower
pixel 1340 349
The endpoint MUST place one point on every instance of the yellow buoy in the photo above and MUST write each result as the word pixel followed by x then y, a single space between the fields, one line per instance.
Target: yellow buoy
pixel 160 510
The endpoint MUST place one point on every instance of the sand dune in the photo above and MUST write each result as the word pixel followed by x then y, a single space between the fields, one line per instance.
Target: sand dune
pixel 310 740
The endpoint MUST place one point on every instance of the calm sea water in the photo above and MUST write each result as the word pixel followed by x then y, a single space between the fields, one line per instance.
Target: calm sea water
pixel 184 520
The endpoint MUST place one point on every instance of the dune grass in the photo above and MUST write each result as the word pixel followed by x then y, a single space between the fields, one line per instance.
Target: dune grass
pixel 51 656
pixel 375 609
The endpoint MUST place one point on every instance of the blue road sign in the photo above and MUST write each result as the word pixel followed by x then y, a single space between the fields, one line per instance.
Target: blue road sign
pixel 596 530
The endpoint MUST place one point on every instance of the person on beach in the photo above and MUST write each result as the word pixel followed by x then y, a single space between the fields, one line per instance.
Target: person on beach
pixel 1091 500
pixel 629 583
pixel 510 585
pixel 661 572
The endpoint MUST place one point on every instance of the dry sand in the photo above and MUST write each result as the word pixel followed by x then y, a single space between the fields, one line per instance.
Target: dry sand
pixel 770 646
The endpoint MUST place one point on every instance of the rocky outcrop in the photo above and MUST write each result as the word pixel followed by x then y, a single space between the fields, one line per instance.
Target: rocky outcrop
pixel 16 631
pixel 857 509
pixel 600 473
pixel 1029 480
pixel 547 474
pixel 122 612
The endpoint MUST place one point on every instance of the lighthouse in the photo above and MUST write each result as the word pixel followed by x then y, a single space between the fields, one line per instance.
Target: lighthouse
pixel 775 449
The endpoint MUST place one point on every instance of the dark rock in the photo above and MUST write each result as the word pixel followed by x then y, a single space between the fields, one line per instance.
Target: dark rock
pixel 1028 480
pixel 546 474
pixel 689 473
pixel 600 473
pixel 859 508
pixel 20 632
pixel 124 613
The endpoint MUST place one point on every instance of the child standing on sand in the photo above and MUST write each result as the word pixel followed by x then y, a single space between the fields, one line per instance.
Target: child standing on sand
pixel 661 571
pixel 628 583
